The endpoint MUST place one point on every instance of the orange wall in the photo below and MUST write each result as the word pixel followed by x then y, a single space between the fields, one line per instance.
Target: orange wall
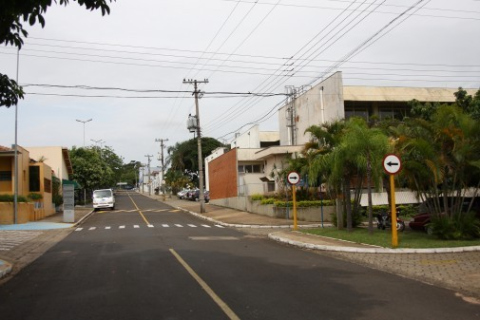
pixel 222 175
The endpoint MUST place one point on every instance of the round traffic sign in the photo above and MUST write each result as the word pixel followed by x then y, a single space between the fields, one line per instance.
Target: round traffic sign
pixel 392 164
pixel 293 177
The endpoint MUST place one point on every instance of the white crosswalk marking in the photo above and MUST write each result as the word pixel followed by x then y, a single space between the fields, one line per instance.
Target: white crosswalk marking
pixel 136 226
pixel 10 239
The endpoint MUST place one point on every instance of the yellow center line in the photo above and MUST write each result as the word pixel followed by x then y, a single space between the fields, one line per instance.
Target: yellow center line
pixel 139 211
pixel 229 312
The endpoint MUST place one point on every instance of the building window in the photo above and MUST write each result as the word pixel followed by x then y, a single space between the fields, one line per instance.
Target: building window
pixel 5 175
pixel 34 179
pixel 271 186
pixel 250 168
pixel 47 185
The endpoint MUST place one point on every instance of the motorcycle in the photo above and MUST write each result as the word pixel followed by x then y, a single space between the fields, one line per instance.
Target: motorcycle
pixel 384 220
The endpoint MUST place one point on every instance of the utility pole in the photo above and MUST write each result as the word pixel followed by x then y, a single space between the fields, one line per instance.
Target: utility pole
pixel 291 114
pixel 149 177
pixel 162 161
pixel 199 141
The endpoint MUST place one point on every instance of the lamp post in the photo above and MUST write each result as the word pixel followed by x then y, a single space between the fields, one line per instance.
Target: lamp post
pixel 84 122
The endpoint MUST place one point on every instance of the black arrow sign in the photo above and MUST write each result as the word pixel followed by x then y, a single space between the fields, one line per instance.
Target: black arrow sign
pixel 390 163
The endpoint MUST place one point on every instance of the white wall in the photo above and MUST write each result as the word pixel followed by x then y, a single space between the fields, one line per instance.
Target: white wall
pixel 322 103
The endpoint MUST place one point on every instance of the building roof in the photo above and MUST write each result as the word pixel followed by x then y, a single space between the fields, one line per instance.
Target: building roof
pixel 275 150
pixel 366 93
pixel 68 162
pixel 5 151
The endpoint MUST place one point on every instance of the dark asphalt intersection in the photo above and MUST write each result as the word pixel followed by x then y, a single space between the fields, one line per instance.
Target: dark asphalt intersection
pixel 190 271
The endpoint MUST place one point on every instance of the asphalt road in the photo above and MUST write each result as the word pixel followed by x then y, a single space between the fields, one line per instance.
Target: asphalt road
pixel 146 260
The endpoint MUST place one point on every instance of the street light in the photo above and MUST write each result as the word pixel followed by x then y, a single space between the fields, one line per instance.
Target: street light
pixel 84 122
pixel 98 142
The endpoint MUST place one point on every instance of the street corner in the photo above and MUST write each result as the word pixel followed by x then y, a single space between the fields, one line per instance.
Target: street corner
pixel 5 268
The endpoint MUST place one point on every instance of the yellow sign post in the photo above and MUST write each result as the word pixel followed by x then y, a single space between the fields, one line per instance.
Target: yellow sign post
pixel 394 212
pixel 392 165
pixel 294 198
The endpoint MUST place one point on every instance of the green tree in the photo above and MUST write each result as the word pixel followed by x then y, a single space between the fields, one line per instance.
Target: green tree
pixel 96 168
pixel 367 146
pixel 12 15
pixel 441 157
pixel 324 139
pixel 183 156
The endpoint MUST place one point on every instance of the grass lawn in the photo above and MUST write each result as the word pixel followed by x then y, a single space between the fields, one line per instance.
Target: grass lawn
pixel 383 238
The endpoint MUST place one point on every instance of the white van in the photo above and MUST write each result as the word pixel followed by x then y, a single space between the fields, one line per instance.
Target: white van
pixel 103 198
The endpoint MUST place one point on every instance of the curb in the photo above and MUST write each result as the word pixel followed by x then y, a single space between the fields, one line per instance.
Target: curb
pixel 306 245
pixel 83 218
pixel 5 268
pixel 251 226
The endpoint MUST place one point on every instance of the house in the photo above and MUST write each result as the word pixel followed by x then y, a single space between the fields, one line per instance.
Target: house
pixel 58 158
pixel 33 177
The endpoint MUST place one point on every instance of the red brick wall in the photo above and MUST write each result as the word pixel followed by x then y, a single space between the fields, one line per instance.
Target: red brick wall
pixel 222 175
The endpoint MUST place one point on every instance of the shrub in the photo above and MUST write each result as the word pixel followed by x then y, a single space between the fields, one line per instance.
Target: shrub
pixel 256 197
pixel 35 196
pixel 266 201
pixel 463 226
pixel 57 200
pixel 304 204
pixel 10 198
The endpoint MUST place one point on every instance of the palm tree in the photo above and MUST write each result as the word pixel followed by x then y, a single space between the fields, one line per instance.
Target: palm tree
pixel 366 147
pixel 318 151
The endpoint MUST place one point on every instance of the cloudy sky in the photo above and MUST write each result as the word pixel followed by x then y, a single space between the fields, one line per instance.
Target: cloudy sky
pixel 125 71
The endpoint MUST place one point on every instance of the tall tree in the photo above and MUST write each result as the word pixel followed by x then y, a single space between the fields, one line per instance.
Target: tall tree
pixel 12 14
pixel 367 146
pixel 183 156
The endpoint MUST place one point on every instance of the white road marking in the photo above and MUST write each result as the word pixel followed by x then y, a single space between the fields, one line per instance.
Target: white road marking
pixel 108 228
pixel 165 225
pixel 121 227
pixel 150 226
pixel 213 238
pixel 219 226
pixel 136 226
pixel 192 225
pixel 179 225
pixel 79 229
pixel 206 226
pixel 92 228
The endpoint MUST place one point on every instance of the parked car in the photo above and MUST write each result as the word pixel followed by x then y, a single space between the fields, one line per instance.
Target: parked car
pixel 421 220
pixel 103 198
pixel 191 194
pixel 181 194
pixel 206 196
